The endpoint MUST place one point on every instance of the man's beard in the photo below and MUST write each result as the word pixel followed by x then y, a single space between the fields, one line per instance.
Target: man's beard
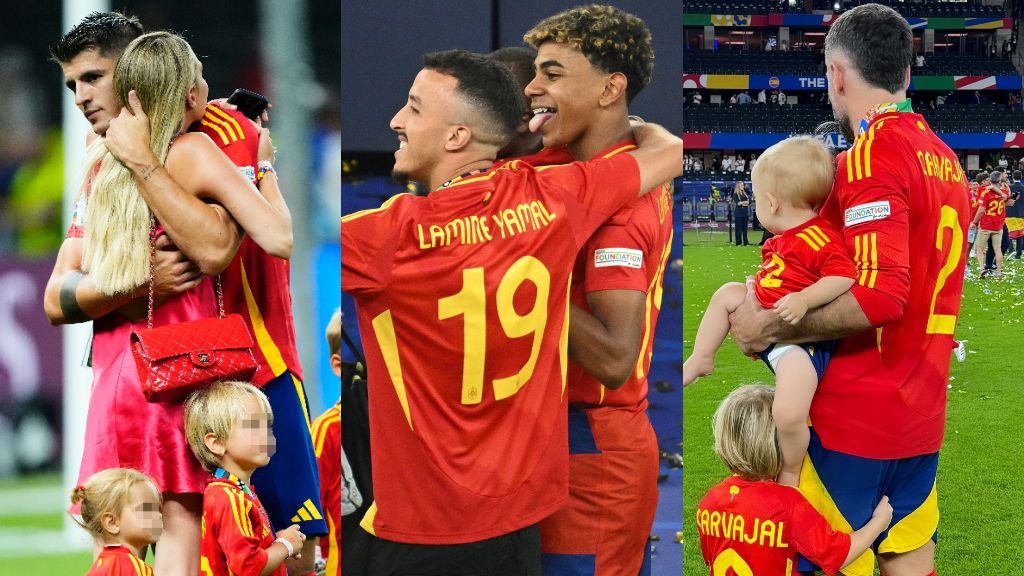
pixel 841 125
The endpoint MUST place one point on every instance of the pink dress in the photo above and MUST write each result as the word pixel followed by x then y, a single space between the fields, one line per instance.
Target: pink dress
pixel 122 429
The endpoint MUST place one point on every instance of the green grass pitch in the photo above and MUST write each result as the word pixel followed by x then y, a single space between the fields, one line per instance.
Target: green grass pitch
pixel 979 479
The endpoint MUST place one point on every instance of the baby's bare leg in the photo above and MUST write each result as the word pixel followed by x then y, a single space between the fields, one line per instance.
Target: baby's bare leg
pixel 795 383
pixel 714 327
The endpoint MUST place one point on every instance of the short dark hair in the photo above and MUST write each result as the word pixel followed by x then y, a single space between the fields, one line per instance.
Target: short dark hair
pixel 878 41
pixel 613 40
pixel 981 177
pixel 486 84
pixel 519 60
pixel 1016 174
pixel 108 32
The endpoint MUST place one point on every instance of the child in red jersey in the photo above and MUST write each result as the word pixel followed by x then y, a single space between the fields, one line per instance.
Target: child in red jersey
pixel 752 525
pixel 120 508
pixel 228 427
pixel 803 267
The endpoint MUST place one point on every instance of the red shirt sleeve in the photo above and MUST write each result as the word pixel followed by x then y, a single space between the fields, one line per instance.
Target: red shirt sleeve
pixel 618 254
pixel 76 229
pixel 834 261
pixel 238 536
pixel 876 229
pixel 813 537
pixel 363 235
pixel 593 190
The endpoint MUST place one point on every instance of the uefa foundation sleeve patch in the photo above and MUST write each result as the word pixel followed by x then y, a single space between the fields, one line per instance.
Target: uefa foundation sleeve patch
pixel 867 212
pixel 627 257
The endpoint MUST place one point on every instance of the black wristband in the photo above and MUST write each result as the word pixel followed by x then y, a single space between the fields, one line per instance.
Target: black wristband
pixel 69 308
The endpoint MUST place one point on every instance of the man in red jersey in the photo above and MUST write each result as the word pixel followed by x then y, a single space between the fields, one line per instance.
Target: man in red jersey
pixel 256 285
pixel 989 218
pixel 581 93
pixel 463 305
pixel 879 411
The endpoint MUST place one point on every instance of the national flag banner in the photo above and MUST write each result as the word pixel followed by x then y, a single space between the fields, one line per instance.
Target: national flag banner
pixel 983 23
pixel 694 81
pixel 974 82
pixel 917 23
pixel 1014 140
pixel 730 20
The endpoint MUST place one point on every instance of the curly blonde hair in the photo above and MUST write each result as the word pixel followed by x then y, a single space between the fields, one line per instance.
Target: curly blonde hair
pixel 612 40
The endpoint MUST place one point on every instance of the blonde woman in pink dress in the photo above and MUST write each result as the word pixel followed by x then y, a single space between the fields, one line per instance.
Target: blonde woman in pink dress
pixel 160 79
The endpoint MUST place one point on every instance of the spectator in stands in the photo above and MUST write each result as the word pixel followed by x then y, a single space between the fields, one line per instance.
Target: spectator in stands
pixel 727 164
pixel 743 98
pixel 784 47
pixel 697 98
pixel 688 163
pixel 732 99
pixel 753 160
pixel 740 163
pixel 716 163
pixel 1006 48
pixel 781 97
pixel 741 212
pixel 919 60
pixel 761 98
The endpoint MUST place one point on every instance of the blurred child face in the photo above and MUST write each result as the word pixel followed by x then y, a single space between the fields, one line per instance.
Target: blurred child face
pixel 251 442
pixel 140 520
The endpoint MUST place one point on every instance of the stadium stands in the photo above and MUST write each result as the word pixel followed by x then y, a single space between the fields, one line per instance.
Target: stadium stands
pixel 756 118
pixel 917 9
pixel 807 63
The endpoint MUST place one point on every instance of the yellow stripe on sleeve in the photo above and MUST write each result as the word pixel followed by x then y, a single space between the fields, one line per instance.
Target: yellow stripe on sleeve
pixel 308 505
pixel 857 160
pixel 817 234
pixel 849 166
pixel 874 259
pixel 223 137
pixel 367 522
pixel 807 238
pixel 867 151
pixel 228 120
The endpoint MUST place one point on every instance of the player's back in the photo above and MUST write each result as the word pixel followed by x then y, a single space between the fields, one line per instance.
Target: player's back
pixel 462 301
pixel 895 376
pixel 751 527
pixel 256 284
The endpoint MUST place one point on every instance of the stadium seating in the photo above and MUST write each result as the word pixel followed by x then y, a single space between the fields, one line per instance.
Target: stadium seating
pixel 757 118
pixel 806 63
pixel 919 9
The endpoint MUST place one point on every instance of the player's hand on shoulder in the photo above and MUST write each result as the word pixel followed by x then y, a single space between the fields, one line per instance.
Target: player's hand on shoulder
pixel 791 308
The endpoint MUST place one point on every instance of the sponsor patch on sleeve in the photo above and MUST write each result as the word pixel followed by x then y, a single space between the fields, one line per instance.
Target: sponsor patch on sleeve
pixel 867 212
pixel 628 257
pixel 249 172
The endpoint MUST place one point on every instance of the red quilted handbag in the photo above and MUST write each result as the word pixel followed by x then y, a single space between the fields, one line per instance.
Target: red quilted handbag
pixel 175 360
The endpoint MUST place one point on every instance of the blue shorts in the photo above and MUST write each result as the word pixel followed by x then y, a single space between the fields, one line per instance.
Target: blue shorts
pixel 846 489
pixel 289 487
pixel 820 353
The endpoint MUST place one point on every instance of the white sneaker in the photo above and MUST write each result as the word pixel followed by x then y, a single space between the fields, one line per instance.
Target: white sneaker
pixel 961 350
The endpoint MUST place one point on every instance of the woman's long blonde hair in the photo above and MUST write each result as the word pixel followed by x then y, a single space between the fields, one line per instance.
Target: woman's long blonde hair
pixel 161 68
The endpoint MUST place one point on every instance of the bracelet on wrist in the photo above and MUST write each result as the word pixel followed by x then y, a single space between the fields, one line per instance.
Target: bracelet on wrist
pixel 263 167
pixel 287 546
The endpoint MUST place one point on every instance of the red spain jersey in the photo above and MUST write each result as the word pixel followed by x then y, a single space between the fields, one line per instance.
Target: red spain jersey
pixel 798 258
pixel 900 201
pixel 327 444
pixel 118 561
pixel 236 531
pixel 758 528
pixel 462 302
pixel 994 203
pixel 629 252
pixel 256 284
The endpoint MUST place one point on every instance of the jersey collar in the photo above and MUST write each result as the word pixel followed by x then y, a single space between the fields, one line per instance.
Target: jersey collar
pixel 222 474
pixel 617 148
pixel 883 108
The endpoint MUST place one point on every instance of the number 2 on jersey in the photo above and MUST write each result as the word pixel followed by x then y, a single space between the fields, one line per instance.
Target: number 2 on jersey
pixel 471 303
pixel 945 323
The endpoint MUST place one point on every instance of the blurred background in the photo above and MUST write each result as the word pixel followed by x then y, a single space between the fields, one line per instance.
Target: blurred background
pixel 288 51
